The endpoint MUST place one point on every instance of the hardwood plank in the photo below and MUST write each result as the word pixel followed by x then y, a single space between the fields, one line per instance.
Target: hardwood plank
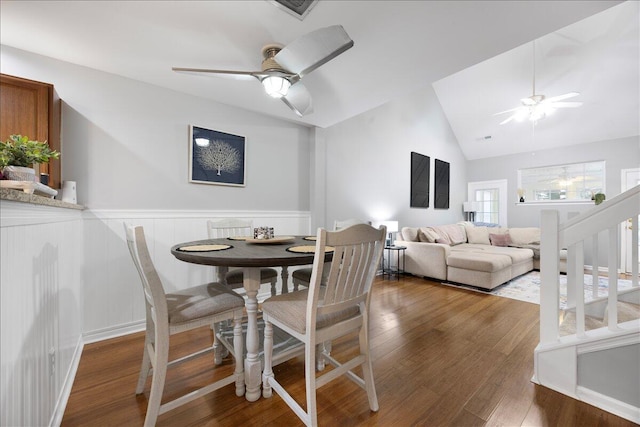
pixel 441 355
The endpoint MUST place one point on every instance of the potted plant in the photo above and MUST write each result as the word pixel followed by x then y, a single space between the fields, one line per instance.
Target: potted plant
pixel 18 154
pixel 599 198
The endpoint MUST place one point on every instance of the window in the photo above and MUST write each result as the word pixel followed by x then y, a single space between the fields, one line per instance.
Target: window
pixel 489 208
pixel 572 182
pixel 492 196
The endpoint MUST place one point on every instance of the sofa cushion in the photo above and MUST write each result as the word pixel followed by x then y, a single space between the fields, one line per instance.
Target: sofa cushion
pixel 534 248
pixel 500 239
pixel 427 234
pixel 452 234
pixel 409 234
pixel 478 235
pixel 525 235
pixel 478 261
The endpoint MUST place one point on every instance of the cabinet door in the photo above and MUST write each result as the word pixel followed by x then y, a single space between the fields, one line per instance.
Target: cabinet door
pixel 31 108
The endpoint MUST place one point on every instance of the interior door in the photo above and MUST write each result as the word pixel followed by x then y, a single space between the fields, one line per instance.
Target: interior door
pixel 630 178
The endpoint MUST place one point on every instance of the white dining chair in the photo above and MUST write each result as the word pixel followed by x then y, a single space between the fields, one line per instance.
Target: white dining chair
pixel 302 276
pixel 171 313
pixel 324 313
pixel 233 227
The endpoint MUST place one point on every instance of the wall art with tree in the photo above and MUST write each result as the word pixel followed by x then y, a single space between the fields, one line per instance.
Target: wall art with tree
pixel 216 157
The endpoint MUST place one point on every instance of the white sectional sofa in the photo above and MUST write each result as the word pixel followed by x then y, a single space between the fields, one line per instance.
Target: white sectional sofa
pixel 479 256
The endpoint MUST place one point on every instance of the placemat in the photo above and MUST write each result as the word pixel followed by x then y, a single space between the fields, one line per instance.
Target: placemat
pixel 310 238
pixel 307 249
pixel 238 238
pixel 204 248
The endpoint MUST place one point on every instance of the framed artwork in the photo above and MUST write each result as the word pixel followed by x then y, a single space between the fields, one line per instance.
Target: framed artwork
pixel 420 170
pixel 216 157
pixel 441 177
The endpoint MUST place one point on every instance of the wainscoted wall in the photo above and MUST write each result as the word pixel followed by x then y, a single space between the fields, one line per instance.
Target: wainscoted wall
pixel 67 279
pixel 113 302
pixel 40 308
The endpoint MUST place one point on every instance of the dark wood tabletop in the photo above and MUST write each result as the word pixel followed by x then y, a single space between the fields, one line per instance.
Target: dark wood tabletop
pixel 245 254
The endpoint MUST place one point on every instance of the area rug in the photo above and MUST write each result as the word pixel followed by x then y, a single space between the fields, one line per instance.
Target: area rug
pixel 527 288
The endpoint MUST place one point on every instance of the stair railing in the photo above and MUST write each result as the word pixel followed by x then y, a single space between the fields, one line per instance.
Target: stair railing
pixel 604 218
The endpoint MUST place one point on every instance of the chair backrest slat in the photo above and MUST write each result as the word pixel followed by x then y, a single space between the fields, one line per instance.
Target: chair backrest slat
pixel 229 227
pixel 357 252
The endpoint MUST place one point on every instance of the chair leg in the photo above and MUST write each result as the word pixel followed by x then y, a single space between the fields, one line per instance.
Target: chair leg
pixel 367 369
pixel 146 365
pixel 310 380
pixel 238 348
pixel 320 362
pixel 157 381
pixel 268 352
pixel 285 280
pixel 217 348
pixel 273 287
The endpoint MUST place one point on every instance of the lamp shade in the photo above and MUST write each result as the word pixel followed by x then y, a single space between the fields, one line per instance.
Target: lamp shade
pixel 471 206
pixel 392 226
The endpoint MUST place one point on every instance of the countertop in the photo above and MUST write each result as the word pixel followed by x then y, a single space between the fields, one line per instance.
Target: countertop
pixel 21 196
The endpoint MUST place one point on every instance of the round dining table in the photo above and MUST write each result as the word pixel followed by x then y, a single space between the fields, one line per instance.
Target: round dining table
pixel 250 255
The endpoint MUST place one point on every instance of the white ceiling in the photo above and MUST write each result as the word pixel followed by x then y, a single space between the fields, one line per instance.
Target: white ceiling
pixel 400 47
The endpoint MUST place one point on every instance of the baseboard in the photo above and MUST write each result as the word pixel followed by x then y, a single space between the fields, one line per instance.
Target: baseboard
pixel 114 331
pixel 609 404
pixel 67 385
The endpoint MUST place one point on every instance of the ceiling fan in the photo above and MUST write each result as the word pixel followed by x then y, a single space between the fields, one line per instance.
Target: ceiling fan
pixel 538 106
pixel 284 66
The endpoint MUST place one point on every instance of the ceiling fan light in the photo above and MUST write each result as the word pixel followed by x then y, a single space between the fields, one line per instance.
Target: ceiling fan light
pixel 521 114
pixel 276 86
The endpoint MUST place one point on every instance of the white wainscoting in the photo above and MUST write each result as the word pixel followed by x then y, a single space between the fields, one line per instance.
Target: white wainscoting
pixel 67 279
pixel 114 303
pixel 41 310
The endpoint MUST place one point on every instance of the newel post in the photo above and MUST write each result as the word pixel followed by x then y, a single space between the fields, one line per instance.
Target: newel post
pixel 549 276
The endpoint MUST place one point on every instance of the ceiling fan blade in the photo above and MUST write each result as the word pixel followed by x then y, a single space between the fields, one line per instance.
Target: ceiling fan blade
pixel 565 104
pixel 238 75
pixel 299 100
pixel 561 97
pixel 507 111
pixel 511 117
pixel 311 50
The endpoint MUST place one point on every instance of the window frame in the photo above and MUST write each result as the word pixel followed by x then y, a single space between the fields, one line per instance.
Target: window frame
pixel 562 201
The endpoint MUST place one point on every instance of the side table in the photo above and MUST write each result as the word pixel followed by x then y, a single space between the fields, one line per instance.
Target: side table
pixel 387 269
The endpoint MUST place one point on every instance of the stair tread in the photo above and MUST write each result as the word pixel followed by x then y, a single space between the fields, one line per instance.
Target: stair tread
pixel 626 312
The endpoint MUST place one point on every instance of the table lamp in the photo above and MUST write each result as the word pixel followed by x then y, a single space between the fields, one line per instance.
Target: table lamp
pixel 392 227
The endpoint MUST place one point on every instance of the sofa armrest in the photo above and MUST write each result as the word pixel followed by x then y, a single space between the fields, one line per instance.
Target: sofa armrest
pixel 426 259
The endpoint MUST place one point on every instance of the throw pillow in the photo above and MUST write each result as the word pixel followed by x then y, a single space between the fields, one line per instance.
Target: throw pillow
pixel 479 235
pixel 427 234
pixel 451 234
pixel 500 239
pixel 409 234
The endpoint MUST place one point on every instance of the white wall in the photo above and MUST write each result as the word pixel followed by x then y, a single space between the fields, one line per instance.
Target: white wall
pixel 368 162
pixel 126 143
pixel 618 154
pixel 40 310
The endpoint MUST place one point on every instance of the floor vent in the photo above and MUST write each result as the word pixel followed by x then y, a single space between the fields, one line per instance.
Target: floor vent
pixel 297 8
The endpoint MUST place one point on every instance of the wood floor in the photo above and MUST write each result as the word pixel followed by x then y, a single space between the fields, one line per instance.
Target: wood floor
pixel 443 356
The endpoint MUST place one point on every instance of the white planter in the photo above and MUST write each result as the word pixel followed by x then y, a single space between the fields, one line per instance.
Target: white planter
pixel 19 173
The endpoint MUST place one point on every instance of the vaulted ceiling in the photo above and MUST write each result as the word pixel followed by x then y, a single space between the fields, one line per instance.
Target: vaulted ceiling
pixel 477 55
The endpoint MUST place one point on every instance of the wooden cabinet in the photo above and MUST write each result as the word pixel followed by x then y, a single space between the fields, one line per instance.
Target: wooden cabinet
pixel 31 108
